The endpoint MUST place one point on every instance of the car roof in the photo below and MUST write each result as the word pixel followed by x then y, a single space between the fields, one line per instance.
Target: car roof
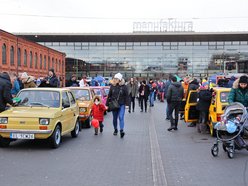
pixel 78 88
pixel 47 89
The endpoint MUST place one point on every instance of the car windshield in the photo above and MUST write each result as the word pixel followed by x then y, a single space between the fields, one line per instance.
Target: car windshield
pixel 97 92
pixel 106 91
pixel 81 94
pixel 224 97
pixel 39 98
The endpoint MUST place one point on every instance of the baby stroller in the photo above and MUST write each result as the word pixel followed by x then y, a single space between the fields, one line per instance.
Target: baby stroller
pixel 230 129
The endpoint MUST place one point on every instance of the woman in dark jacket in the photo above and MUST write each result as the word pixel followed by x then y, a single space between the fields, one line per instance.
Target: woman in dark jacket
pixel 144 92
pixel 205 96
pixel 118 91
pixel 5 91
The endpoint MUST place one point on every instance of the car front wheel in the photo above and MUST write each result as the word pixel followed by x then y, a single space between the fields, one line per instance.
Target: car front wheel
pixel 55 139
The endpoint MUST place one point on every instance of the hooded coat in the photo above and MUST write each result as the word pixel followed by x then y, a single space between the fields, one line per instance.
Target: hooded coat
pixel 175 92
pixel 238 94
pixel 5 91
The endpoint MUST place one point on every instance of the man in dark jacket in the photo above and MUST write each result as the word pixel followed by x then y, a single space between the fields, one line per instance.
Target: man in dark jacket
pixel 205 96
pixel 144 92
pixel 72 82
pixel 174 97
pixel 5 91
pixel 51 80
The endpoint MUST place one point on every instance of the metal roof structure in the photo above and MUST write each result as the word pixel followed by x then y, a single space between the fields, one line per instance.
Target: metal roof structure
pixel 136 37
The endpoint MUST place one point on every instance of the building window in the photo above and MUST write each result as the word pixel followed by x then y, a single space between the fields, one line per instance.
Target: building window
pixel 19 57
pixel 56 65
pixel 44 62
pixel 40 61
pixel 49 65
pixel 12 62
pixel 4 54
pixel 59 66
pixel 25 58
pixel 36 60
pixel 31 59
pixel 53 63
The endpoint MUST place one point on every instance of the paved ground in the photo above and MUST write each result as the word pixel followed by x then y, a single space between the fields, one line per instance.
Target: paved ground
pixel 148 155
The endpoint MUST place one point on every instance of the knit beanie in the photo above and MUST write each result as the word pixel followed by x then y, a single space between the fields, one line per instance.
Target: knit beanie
pixel 243 79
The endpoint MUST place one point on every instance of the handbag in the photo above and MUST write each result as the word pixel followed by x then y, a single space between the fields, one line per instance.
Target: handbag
pixel 114 103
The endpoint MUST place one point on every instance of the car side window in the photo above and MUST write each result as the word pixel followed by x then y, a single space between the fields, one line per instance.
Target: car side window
pixel 72 100
pixel 65 100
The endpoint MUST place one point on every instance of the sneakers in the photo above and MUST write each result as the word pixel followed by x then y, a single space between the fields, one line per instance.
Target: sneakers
pixel 122 133
pixel 115 132
pixel 169 129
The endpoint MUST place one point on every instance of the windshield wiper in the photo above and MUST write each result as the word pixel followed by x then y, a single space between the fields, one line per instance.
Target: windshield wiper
pixel 38 104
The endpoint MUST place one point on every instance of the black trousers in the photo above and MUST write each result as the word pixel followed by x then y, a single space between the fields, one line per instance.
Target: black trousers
pixel 174 106
pixel 143 100
pixel 131 103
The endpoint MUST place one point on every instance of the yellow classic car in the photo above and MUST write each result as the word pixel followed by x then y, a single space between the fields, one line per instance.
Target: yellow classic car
pixel 43 113
pixel 84 97
pixel 218 104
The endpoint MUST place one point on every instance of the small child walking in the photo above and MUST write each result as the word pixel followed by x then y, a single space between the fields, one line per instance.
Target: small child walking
pixel 98 110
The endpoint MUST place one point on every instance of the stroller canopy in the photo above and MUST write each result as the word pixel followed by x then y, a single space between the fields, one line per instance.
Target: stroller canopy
pixel 236 108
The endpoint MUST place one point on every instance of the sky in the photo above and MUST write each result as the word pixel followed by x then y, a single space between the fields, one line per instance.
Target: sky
pixel 115 16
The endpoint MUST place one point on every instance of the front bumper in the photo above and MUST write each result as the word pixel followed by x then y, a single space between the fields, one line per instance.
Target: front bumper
pixel 26 131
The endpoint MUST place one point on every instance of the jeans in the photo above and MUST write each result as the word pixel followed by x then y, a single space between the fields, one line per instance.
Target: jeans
pixel 132 103
pixel 151 98
pixel 119 113
pixel 174 106
pixel 143 101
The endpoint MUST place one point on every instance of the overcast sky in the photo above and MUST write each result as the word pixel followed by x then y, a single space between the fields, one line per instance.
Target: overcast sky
pixel 108 16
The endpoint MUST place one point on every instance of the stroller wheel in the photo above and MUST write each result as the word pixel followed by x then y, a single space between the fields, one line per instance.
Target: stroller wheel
pixel 224 147
pixel 230 153
pixel 215 150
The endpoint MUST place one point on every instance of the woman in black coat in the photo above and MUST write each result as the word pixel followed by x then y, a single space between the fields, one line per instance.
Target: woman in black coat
pixel 144 92
pixel 205 96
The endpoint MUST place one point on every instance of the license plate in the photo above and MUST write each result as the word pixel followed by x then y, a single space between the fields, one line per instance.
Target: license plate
pixel 21 136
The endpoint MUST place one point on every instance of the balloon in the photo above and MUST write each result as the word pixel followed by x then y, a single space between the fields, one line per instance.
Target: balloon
pixel 95 123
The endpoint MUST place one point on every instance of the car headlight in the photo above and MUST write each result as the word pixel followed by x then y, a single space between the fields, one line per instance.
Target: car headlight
pixel 3 120
pixel 44 121
pixel 82 109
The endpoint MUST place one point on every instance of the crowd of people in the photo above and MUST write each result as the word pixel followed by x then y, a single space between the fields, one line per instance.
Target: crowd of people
pixel 122 95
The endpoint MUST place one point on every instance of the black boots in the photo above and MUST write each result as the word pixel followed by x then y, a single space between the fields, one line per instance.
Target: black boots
pixel 115 132
pixel 122 133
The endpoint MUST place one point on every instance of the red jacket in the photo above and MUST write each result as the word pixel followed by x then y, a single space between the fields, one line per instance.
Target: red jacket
pixel 98 111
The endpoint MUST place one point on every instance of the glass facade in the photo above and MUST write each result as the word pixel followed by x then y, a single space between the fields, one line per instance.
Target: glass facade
pixel 151 59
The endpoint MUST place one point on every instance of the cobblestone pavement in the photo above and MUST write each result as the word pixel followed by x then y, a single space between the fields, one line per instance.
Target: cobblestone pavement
pixel 148 155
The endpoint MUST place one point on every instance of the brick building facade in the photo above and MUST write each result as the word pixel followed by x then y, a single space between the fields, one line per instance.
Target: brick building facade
pixel 20 55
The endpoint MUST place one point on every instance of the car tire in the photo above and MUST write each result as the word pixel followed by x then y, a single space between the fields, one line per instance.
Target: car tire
pixel 88 122
pixel 55 139
pixel 4 142
pixel 76 130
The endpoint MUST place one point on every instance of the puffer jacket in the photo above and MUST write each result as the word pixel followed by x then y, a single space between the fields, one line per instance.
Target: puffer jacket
pixel 117 89
pixel 175 92
pixel 238 94
pixel 5 91
pixel 98 111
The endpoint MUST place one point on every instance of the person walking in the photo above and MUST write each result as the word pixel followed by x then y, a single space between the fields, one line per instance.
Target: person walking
pixel 167 84
pixel 205 96
pixel 98 110
pixel 152 92
pixel 174 97
pixel 118 92
pixel 132 92
pixel 144 92
pixel 5 91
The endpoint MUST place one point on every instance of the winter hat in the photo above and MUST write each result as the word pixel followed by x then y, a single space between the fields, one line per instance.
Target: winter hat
pixel 205 83
pixel 24 75
pixel 243 79
pixel 118 76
